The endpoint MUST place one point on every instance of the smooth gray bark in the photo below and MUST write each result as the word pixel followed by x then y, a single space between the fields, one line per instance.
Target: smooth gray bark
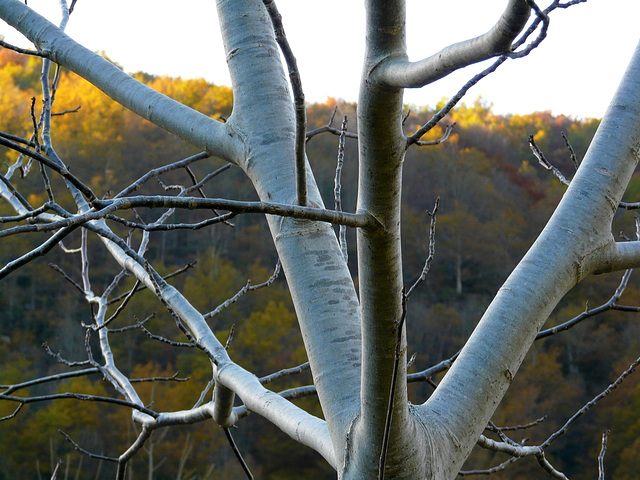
pixel 350 338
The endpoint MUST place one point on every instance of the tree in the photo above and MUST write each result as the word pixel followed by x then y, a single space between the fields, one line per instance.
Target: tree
pixel 354 338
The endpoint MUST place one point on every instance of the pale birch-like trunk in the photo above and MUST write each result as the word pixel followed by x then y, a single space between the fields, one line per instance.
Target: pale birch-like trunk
pixel 350 338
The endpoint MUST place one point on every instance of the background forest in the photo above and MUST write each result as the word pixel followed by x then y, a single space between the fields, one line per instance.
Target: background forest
pixel 494 200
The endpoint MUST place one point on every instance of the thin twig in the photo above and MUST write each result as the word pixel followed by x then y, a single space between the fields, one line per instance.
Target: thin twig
pixel 445 136
pixel 142 287
pixel 590 404
pixel 172 378
pixel 489 471
pixel 237 453
pixel 86 452
pixel 245 289
pixel 432 248
pixel 23 51
pixel 298 101
pixel 79 396
pixel 67 278
pixel 572 152
pixel 544 162
pixel 285 372
pixel 51 378
pixel 603 451
pixel 392 392
pixel 162 339
pixel 337 189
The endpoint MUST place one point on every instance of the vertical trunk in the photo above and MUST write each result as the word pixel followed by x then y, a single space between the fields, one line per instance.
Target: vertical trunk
pixel 322 289
pixel 382 147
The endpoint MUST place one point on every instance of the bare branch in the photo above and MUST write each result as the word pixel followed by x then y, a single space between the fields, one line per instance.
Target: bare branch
pixel 401 73
pixel 78 396
pixel 172 378
pixel 162 339
pixel 392 392
pixel 572 152
pixel 544 162
pixel 142 287
pixel 611 304
pixel 51 378
pixel 603 451
pixel 493 428
pixel 445 136
pixel 237 453
pixel 67 277
pixel 590 404
pixel 64 112
pixel 432 248
pixel 285 373
pixel 23 51
pixel 86 452
pixel 11 415
pixel 433 121
pixel 329 128
pixel 337 189
pixel 489 471
pixel 247 288
pixel 61 170
pixel 298 101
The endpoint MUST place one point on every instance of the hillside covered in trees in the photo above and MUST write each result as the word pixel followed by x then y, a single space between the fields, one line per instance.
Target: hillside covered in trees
pixel 490 187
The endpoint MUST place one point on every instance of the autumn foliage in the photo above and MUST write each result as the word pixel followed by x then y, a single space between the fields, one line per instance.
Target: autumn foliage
pixel 494 199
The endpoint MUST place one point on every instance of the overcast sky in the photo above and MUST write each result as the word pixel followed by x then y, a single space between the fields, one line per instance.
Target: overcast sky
pixel 575 71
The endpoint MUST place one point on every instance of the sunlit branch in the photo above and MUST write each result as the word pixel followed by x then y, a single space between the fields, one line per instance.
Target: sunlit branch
pixel 17 195
pixel 132 450
pixel 445 136
pixel 513 54
pixel 401 73
pixel 544 162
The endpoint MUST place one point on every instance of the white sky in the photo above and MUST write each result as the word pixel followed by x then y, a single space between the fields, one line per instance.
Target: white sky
pixel 575 71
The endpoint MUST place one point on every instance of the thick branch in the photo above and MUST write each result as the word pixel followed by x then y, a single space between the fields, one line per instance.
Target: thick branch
pixel 214 137
pixel 401 73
